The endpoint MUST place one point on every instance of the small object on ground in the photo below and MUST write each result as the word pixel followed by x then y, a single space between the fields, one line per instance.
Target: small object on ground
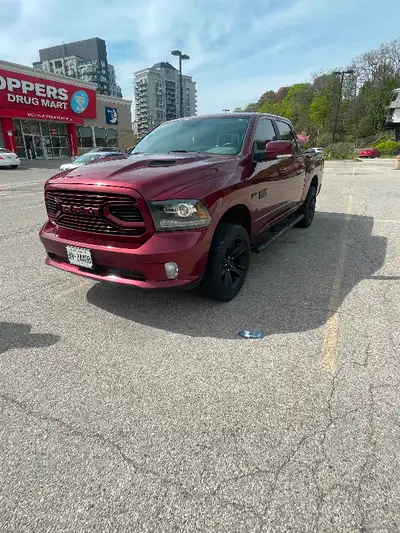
pixel 397 163
pixel 250 334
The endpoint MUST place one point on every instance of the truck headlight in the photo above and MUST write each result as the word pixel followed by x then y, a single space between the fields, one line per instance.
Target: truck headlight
pixel 173 215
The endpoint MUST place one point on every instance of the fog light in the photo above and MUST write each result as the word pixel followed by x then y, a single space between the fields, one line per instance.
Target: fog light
pixel 171 270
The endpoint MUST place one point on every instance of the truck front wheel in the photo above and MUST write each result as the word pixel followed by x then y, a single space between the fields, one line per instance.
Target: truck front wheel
pixel 228 262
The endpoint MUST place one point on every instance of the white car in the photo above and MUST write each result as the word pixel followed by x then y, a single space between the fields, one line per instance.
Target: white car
pixel 9 159
pixel 84 159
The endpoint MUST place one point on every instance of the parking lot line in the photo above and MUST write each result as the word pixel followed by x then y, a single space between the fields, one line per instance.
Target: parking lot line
pixel 330 360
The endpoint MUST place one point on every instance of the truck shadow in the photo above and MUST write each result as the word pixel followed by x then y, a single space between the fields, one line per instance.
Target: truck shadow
pixel 293 286
pixel 15 335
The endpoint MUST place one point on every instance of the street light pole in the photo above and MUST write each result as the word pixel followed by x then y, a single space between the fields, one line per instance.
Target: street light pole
pixel 336 121
pixel 182 57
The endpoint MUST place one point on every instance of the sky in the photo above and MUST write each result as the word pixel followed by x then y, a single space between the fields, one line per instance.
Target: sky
pixel 238 49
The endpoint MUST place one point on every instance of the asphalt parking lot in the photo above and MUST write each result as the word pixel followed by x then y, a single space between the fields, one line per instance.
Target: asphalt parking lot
pixel 139 411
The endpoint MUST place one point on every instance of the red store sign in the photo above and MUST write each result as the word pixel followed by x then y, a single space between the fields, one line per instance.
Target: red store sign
pixel 44 98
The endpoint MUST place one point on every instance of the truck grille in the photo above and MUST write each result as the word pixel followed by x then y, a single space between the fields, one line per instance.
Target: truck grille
pixel 110 214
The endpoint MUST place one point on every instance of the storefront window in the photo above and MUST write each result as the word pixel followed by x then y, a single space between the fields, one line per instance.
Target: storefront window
pixel 100 136
pixel 85 138
pixel 1 140
pixel 19 140
pixel 112 137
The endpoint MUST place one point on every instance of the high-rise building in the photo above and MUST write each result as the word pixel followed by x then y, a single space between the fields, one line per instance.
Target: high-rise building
pixel 85 60
pixel 157 96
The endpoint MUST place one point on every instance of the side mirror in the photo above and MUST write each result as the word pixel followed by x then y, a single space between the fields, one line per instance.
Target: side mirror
pixel 277 149
pixel 73 158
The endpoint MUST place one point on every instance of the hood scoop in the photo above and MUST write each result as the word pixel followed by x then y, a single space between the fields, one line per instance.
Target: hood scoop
pixel 161 163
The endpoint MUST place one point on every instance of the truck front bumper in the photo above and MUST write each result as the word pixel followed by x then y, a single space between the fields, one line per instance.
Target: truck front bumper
pixel 138 265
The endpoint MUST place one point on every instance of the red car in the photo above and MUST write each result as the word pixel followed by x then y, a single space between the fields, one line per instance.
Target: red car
pixel 194 198
pixel 369 152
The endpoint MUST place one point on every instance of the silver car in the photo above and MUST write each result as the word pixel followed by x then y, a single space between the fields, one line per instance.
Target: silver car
pixel 84 159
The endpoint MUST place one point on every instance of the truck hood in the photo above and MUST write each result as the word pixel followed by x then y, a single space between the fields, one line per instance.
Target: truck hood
pixel 155 177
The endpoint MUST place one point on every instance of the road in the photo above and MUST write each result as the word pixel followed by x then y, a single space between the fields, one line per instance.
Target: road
pixel 140 411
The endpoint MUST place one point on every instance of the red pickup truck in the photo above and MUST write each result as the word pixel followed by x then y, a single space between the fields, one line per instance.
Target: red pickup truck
pixel 186 208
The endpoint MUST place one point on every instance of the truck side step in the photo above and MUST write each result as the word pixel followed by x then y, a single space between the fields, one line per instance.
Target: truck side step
pixel 272 236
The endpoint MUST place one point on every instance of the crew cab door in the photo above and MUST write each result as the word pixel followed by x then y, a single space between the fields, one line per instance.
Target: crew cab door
pixel 293 170
pixel 266 187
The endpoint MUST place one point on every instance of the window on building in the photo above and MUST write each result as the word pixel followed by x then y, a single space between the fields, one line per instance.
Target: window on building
pixel 100 136
pixel 112 137
pixel 85 137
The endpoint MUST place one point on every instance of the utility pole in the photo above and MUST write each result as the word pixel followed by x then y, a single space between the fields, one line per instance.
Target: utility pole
pixel 182 57
pixel 339 101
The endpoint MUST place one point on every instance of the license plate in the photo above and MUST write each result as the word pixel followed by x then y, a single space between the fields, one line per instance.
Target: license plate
pixel 80 257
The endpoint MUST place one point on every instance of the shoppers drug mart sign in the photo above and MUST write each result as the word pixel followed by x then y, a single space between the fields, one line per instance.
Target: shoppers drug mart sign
pixel 38 95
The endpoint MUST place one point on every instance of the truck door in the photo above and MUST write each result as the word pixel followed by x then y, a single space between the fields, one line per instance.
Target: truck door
pixel 293 171
pixel 267 188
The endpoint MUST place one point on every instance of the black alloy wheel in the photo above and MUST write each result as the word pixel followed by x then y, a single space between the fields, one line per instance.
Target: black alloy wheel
pixel 234 264
pixel 228 262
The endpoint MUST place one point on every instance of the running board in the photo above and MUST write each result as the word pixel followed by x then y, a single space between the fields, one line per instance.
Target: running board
pixel 272 236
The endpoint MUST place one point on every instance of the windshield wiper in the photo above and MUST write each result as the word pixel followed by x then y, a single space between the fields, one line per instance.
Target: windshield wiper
pixel 183 152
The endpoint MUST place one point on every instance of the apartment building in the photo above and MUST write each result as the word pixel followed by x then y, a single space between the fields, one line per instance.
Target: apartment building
pixel 85 60
pixel 157 100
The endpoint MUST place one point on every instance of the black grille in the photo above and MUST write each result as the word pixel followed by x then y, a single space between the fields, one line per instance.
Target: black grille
pixel 122 207
pixel 95 225
pixel 51 205
pixel 126 213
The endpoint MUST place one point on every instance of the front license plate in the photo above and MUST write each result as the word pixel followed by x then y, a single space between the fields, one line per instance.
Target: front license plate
pixel 80 257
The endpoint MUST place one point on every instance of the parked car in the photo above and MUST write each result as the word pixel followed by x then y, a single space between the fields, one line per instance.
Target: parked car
pixel 369 152
pixel 194 198
pixel 9 159
pixel 89 157
pixel 315 150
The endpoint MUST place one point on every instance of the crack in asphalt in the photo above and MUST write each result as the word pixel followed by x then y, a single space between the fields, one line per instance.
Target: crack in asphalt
pixel 118 450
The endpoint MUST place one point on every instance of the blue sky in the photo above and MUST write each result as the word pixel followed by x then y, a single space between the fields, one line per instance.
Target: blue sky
pixel 238 49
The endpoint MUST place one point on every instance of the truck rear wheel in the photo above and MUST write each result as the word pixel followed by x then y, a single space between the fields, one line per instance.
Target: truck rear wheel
pixel 308 208
pixel 228 262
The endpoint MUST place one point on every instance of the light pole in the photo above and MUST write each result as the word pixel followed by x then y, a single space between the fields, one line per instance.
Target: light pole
pixel 182 57
pixel 225 111
pixel 335 124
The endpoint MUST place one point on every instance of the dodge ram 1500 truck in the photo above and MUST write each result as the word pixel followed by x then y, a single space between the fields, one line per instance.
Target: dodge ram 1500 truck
pixel 186 208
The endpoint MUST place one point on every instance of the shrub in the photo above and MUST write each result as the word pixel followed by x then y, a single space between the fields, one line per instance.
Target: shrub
pixel 339 151
pixel 388 147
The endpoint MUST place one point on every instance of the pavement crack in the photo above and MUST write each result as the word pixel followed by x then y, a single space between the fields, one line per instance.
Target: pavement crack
pixel 119 451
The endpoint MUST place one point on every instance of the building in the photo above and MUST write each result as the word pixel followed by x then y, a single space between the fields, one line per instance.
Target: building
pixel 45 115
pixel 393 118
pixel 86 60
pixel 156 92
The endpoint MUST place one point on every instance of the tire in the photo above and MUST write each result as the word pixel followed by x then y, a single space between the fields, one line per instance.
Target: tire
pixel 14 166
pixel 308 208
pixel 228 262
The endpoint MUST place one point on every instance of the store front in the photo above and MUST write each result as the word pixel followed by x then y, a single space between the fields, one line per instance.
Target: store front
pixel 41 140
pixel 48 116
pixel 39 113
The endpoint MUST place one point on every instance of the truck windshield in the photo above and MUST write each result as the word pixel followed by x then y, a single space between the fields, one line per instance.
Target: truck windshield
pixel 219 135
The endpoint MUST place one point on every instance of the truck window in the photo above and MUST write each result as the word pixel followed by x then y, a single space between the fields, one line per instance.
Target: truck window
pixel 264 134
pixel 286 133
